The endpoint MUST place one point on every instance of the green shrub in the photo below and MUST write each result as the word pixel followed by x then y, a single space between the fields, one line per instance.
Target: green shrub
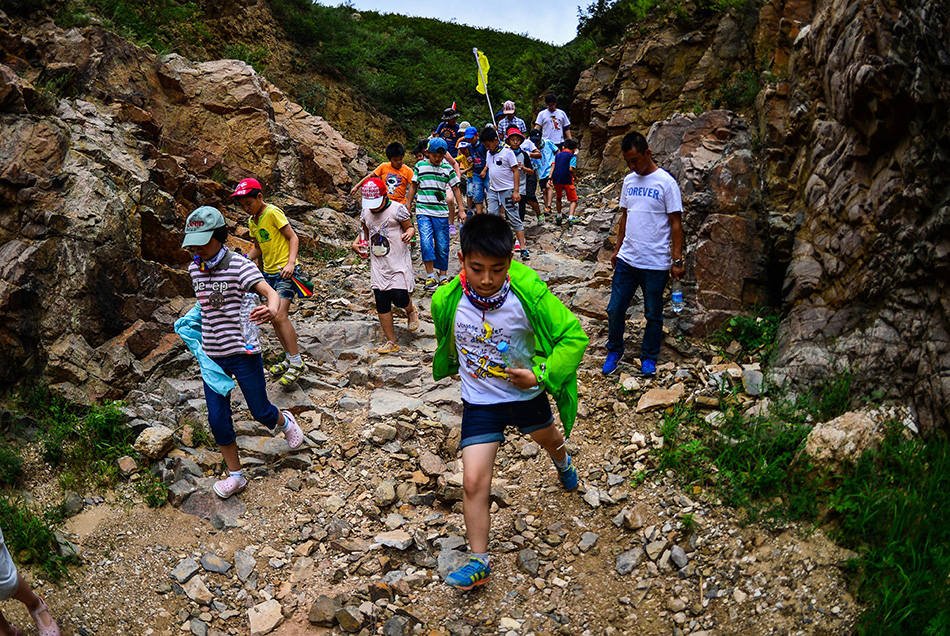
pixel 10 466
pixel 755 334
pixel 255 56
pixel 893 510
pixel 153 490
pixel 30 539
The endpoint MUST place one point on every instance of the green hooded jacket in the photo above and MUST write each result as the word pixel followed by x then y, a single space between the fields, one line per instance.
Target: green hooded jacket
pixel 560 341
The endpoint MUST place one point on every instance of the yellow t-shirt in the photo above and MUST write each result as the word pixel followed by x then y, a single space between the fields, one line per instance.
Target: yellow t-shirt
pixel 465 164
pixel 275 249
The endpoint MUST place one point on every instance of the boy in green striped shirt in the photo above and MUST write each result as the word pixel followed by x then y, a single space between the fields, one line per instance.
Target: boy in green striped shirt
pixel 429 181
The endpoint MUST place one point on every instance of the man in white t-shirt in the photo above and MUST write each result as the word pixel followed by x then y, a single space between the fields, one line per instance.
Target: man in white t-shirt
pixel 650 223
pixel 553 122
pixel 504 171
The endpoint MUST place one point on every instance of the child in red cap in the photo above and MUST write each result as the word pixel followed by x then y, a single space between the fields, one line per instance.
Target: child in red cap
pixel 385 232
pixel 276 243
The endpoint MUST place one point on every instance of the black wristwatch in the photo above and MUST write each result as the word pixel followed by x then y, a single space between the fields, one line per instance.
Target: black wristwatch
pixel 678 262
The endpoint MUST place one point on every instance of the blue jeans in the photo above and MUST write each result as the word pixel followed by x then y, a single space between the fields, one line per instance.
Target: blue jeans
pixel 434 240
pixel 625 282
pixel 248 370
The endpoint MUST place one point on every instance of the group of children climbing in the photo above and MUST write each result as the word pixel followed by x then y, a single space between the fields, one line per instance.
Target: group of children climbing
pixel 497 326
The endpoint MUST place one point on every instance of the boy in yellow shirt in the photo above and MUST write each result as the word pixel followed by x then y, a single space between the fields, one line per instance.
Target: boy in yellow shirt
pixel 276 243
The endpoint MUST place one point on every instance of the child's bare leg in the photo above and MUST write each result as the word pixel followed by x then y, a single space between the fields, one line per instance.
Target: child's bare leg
pixel 573 208
pixel 534 206
pixel 479 208
pixel 386 322
pixel 520 235
pixel 547 195
pixel 5 628
pixel 428 266
pixel 551 440
pixel 478 460
pixel 450 200
pixel 285 328
pixel 231 456
pixel 559 206
pixel 32 601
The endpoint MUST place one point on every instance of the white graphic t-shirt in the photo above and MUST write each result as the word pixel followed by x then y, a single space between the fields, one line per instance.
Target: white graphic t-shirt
pixel 649 200
pixel 481 365
pixel 553 124
pixel 500 163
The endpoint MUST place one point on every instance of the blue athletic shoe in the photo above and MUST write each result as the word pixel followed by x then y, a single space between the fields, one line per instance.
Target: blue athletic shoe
pixel 568 475
pixel 612 362
pixel 471 574
pixel 648 367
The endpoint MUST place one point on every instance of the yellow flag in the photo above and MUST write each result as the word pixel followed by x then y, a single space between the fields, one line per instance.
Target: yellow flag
pixel 483 71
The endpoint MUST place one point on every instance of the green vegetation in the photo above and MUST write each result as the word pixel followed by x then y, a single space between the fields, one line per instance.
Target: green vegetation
pixel 83 442
pixel 162 24
pixel 30 539
pixel 890 508
pixel 737 90
pixel 324 252
pixel 755 334
pixel 311 96
pixel 413 68
pixel 200 435
pixel 153 490
pixel 605 21
pixel 10 466
pixel 255 56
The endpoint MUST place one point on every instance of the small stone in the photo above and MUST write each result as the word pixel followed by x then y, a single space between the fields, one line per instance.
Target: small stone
pixel 655 549
pixel 588 540
pixel 509 624
pixel 659 398
pixel 382 433
pixel 186 569
pixel 72 502
pixel 385 494
pixel 739 595
pixel 349 404
pixel 676 605
pixel 592 497
pixel 752 382
pixel 323 611
pixel 197 591
pixel 529 562
pixel 264 617
pixel 678 556
pixel 628 560
pixel 214 563
pixel 244 563
pixel 397 626
pixel 636 518
pixel 301 570
pixel 530 449
pixel 127 465
pixel 155 441
pixel 350 618
pixel 431 464
pixel 198 627
pixel 398 539
pixel 630 383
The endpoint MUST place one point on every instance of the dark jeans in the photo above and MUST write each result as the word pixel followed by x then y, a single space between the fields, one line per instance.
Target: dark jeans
pixel 625 283
pixel 248 370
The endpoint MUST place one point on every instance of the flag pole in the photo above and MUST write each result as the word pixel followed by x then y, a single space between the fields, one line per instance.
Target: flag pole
pixel 485 84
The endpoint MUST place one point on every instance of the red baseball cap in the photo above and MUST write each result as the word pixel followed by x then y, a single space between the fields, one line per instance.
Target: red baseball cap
pixel 246 186
pixel 374 193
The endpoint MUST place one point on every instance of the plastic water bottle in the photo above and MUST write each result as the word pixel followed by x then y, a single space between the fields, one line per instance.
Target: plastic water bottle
pixel 512 358
pixel 677 296
pixel 249 328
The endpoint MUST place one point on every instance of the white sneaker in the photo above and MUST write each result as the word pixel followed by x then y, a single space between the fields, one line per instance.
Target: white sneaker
pixel 517 245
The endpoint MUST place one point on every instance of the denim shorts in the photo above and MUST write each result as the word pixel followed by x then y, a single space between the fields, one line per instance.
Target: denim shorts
pixel 486 423
pixel 284 287
pixel 476 188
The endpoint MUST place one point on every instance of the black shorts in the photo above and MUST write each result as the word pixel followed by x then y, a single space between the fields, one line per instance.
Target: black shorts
pixel 386 298
pixel 543 183
pixel 486 423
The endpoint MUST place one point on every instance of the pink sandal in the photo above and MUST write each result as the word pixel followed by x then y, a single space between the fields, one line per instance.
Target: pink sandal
pixel 292 432
pixel 44 630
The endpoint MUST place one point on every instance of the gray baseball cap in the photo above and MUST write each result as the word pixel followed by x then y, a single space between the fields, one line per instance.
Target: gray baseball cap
pixel 201 224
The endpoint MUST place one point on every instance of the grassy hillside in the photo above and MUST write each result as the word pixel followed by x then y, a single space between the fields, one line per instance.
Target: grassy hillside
pixel 413 68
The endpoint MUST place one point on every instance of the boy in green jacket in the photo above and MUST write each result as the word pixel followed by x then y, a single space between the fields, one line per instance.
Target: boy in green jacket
pixel 512 342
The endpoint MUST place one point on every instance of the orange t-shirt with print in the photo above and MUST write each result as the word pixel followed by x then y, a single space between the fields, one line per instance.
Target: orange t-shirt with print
pixel 397 181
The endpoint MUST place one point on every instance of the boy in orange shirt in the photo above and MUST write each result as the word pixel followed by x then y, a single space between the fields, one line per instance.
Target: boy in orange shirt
pixel 394 173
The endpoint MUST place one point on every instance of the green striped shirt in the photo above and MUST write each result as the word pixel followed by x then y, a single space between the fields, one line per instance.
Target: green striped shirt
pixel 432 182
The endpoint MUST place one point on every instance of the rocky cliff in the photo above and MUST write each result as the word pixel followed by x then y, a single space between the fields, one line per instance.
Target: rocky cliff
pixel 104 150
pixel 826 194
